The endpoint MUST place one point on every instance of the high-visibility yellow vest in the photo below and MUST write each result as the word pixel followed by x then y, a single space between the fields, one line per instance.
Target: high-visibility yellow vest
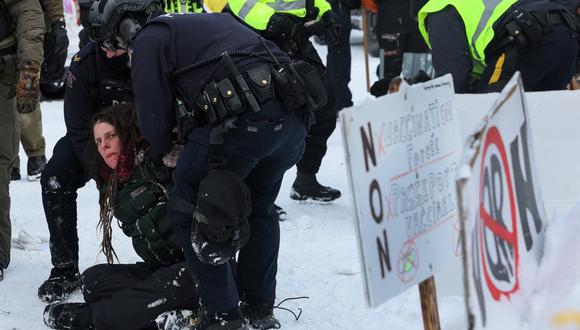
pixel 257 13
pixel 478 16
pixel 189 6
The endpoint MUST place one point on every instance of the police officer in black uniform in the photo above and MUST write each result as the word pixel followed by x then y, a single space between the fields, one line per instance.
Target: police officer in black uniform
pixel 97 78
pixel 223 74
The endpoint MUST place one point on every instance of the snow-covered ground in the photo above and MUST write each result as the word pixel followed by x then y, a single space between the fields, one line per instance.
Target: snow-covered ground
pixel 319 255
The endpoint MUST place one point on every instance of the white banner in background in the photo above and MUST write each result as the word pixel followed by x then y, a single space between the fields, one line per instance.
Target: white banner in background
pixel 402 152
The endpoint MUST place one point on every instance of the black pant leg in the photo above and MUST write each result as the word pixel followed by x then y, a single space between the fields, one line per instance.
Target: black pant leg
pixel 325 122
pixel 137 306
pixel 60 180
pixel 103 281
pixel 338 60
pixel 316 139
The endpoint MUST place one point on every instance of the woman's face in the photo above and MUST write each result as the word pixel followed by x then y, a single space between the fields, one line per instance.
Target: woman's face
pixel 108 143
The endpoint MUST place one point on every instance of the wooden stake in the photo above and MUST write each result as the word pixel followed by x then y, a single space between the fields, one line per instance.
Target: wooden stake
pixel 429 308
pixel 366 47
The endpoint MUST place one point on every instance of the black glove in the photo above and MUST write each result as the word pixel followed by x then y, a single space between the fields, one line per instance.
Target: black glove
pixel 332 28
pixel 55 52
pixel 282 27
pixel 58 33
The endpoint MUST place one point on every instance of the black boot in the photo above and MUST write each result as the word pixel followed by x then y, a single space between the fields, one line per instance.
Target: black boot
pixel 15 174
pixel 260 316
pixel 77 316
pixel 306 187
pixel 232 320
pixel 35 167
pixel 60 283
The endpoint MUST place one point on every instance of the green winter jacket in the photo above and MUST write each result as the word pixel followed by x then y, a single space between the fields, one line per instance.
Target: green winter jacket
pixel 140 205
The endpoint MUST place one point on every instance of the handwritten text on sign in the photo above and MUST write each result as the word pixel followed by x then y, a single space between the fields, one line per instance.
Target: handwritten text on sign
pixel 402 153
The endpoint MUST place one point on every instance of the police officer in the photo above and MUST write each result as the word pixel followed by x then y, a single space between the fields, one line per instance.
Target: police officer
pixel 482 43
pixel 51 86
pixel 397 33
pixel 262 139
pixel 21 35
pixel 171 6
pixel 98 77
pixel 289 24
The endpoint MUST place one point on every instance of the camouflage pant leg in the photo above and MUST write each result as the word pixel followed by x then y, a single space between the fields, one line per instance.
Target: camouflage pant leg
pixel 9 131
pixel 31 134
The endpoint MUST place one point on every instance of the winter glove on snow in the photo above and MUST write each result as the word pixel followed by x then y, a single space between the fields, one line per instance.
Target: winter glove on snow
pixel 27 90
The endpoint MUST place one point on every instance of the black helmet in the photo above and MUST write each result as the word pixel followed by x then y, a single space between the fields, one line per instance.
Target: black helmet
pixel 115 23
pixel 220 223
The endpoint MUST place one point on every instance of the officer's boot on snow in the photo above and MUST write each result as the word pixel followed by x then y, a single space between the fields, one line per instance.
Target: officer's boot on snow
pixel 306 187
pixel 232 320
pixel 60 283
pixel 259 315
pixel 77 316
pixel 35 167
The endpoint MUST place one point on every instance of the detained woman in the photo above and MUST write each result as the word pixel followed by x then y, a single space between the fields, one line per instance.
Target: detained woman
pixel 133 189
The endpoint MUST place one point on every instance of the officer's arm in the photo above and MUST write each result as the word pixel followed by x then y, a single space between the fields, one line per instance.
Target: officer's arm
pixel 154 99
pixel 253 12
pixel 449 47
pixel 29 20
pixel 54 10
pixel 79 106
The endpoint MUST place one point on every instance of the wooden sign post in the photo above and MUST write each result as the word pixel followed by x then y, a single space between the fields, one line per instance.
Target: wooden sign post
pixel 429 309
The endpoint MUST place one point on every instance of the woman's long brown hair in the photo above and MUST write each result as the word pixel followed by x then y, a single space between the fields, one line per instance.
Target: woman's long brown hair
pixel 123 118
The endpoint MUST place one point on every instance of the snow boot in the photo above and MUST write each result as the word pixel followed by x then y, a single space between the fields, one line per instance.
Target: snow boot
pixel 306 187
pixel 15 174
pixel 260 316
pixel 178 319
pixel 280 213
pixel 232 320
pixel 60 283
pixel 35 167
pixel 1 274
pixel 75 316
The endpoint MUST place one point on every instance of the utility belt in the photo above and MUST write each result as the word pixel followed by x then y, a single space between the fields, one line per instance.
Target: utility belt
pixel 298 85
pixel 526 29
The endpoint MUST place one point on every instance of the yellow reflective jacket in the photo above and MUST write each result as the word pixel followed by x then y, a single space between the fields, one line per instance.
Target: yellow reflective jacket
pixel 257 13
pixel 479 17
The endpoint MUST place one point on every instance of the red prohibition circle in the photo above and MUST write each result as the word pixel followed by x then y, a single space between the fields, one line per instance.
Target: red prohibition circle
pixel 493 137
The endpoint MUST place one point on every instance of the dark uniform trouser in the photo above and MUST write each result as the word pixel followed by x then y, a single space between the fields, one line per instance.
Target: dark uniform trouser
pixel 31 134
pixel 60 180
pixel 338 60
pixel 546 67
pixel 261 148
pixel 325 123
pixel 132 296
pixel 9 132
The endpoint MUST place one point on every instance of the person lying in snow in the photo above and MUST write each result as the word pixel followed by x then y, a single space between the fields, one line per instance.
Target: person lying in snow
pixel 133 189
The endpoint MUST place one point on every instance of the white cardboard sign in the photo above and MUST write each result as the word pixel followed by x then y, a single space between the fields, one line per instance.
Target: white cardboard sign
pixel 402 152
pixel 505 218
